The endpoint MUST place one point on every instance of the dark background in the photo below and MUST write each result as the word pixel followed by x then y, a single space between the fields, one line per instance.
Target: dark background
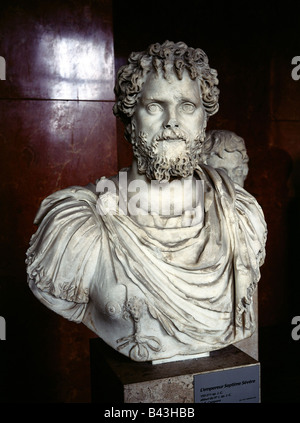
pixel 57 129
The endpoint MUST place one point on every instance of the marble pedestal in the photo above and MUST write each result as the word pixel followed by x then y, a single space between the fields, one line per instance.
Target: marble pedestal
pixel 117 379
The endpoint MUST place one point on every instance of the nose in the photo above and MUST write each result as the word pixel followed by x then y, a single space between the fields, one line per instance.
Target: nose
pixel 171 123
pixel 170 120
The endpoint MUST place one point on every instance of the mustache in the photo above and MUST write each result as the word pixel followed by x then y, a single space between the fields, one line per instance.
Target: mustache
pixel 171 134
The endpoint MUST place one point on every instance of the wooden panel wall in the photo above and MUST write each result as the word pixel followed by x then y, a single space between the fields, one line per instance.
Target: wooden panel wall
pixel 57 129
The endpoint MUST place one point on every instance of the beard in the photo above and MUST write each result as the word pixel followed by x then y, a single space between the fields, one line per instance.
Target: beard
pixel 160 164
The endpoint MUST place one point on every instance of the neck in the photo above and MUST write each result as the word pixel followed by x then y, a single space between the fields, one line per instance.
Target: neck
pixel 162 196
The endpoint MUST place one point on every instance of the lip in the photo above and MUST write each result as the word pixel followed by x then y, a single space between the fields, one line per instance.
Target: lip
pixel 172 139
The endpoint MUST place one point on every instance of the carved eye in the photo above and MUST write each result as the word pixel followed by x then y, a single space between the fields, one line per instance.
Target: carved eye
pixel 188 107
pixel 154 108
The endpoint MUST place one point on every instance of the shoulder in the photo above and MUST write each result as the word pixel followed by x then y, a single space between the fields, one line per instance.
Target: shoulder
pixel 63 252
pixel 72 197
pixel 237 204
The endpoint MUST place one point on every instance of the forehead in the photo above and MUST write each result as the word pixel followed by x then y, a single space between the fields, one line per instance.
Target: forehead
pixel 159 87
pixel 232 159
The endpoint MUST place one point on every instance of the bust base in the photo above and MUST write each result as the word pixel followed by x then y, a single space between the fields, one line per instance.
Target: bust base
pixel 117 379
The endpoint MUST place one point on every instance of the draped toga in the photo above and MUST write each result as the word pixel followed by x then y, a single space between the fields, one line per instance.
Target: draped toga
pixel 196 282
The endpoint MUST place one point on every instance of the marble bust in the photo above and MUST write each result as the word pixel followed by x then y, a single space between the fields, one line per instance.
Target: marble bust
pixel 225 150
pixel 162 260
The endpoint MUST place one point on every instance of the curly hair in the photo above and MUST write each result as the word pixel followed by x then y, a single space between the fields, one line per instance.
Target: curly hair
pixel 163 57
pixel 218 141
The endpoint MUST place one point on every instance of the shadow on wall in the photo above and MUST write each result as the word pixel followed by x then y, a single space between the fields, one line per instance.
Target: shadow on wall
pixel 268 181
pixel 293 231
